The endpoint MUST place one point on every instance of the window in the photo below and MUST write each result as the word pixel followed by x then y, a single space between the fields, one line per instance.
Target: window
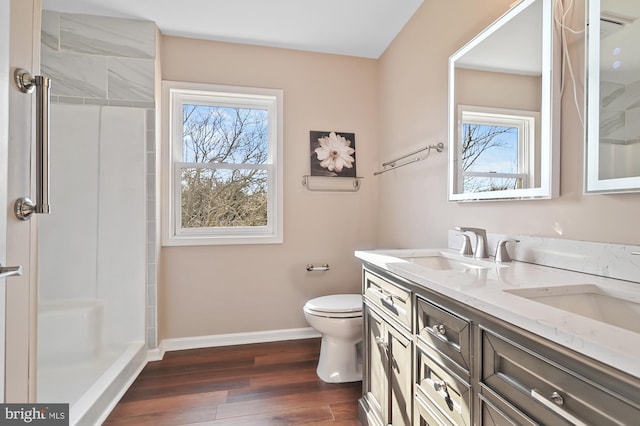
pixel 223 163
pixel 496 149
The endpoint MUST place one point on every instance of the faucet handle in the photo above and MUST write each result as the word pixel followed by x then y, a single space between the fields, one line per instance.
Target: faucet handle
pixel 481 240
pixel 502 254
pixel 466 249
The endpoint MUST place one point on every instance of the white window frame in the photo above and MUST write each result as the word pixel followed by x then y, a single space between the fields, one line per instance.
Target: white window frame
pixel 174 95
pixel 524 121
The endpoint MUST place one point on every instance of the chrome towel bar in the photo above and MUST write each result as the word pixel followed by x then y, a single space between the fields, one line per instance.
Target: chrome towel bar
pixel 393 164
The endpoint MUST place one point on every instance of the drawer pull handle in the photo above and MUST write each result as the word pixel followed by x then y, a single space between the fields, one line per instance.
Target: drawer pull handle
pixel 440 330
pixel 554 403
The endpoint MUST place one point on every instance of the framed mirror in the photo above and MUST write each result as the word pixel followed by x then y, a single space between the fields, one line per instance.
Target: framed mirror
pixel 504 109
pixel 612 152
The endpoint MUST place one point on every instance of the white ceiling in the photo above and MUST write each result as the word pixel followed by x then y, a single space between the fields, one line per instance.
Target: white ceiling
pixel 348 27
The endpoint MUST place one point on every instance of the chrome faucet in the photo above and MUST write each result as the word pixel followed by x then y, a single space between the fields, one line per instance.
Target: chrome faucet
pixel 481 241
pixel 466 249
pixel 502 255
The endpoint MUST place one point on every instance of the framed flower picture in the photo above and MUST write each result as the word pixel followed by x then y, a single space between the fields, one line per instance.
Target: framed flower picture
pixel 333 154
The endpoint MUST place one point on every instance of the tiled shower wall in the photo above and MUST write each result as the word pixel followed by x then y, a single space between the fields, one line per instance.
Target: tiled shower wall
pixel 97 60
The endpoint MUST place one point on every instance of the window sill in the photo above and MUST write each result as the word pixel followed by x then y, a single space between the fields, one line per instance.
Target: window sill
pixel 220 241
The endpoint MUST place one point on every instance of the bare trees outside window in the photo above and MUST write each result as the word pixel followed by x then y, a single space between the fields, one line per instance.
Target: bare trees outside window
pixel 489 149
pixel 226 189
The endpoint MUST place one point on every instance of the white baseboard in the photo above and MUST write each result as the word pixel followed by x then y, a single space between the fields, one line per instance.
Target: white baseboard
pixel 155 354
pixel 183 343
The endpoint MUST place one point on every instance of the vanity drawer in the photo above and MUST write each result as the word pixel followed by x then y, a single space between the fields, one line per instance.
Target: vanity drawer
pixel 389 297
pixel 425 414
pixel 546 391
pixel 495 411
pixel 443 389
pixel 445 331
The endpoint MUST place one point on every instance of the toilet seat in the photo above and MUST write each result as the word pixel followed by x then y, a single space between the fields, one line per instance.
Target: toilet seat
pixel 335 306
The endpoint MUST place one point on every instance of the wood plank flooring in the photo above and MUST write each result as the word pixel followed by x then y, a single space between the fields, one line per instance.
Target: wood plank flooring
pixel 258 384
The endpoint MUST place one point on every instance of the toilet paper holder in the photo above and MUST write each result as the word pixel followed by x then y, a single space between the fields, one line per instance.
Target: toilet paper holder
pixel 312 268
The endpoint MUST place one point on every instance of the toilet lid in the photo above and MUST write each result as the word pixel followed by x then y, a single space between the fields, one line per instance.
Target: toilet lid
pixel 336 303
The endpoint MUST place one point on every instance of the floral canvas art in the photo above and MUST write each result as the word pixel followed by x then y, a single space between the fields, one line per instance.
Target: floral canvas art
pixel 333 154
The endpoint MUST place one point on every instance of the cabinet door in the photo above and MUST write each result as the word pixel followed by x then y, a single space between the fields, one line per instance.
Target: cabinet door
pixel 375 382
pixel 387 382
pixel 400 378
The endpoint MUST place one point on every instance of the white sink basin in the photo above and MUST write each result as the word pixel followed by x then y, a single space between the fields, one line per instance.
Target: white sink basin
pixel 448 261
pixel 590 301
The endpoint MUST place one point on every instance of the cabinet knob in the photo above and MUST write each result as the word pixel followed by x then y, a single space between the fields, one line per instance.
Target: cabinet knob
pixel 442 389
pixel 557 398
pixel 554 403
pixel 439 329
pixel 383 344
pixel 387 297
pixel 440 386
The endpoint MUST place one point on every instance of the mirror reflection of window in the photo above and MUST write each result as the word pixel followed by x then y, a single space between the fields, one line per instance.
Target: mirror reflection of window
pixel 513 68
pixel 495 149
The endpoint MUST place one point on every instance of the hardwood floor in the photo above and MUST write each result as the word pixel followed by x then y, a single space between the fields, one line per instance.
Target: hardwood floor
pixel 258 384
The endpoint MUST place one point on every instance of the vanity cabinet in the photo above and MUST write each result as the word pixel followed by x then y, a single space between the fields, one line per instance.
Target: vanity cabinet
pixel 433 360
pixel 387 379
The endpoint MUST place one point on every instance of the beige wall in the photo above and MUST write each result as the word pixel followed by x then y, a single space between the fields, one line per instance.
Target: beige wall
pixel 215 290
pixel 498 90
pixel 394 105
pixel 414 208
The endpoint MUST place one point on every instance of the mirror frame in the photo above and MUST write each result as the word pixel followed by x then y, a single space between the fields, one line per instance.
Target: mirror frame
pixel 549 111
pixel 592 182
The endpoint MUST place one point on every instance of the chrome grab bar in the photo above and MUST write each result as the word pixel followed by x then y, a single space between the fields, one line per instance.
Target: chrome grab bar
pixel 9 271
pixel 24 207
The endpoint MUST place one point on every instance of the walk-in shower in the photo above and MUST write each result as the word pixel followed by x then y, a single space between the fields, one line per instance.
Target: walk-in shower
pixel 91 259
pixel 96 248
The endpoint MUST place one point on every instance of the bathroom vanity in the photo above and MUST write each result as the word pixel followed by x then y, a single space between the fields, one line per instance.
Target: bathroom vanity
pixel 453 340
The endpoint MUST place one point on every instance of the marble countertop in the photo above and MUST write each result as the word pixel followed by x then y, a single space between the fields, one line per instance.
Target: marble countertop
pixel 487 289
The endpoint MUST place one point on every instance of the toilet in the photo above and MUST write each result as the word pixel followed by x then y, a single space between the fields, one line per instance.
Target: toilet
pixel 338 317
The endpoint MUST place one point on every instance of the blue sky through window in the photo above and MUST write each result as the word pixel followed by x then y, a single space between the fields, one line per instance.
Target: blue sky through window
pixel 502 157
pixel 225 135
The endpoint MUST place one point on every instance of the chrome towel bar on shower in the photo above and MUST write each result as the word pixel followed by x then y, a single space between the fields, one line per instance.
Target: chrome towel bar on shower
pixel 393 164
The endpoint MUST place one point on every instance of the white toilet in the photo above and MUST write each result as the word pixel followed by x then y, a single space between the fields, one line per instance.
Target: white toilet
pixel 338 318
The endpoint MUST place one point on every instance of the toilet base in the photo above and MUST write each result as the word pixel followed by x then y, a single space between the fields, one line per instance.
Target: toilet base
pixel 340 360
